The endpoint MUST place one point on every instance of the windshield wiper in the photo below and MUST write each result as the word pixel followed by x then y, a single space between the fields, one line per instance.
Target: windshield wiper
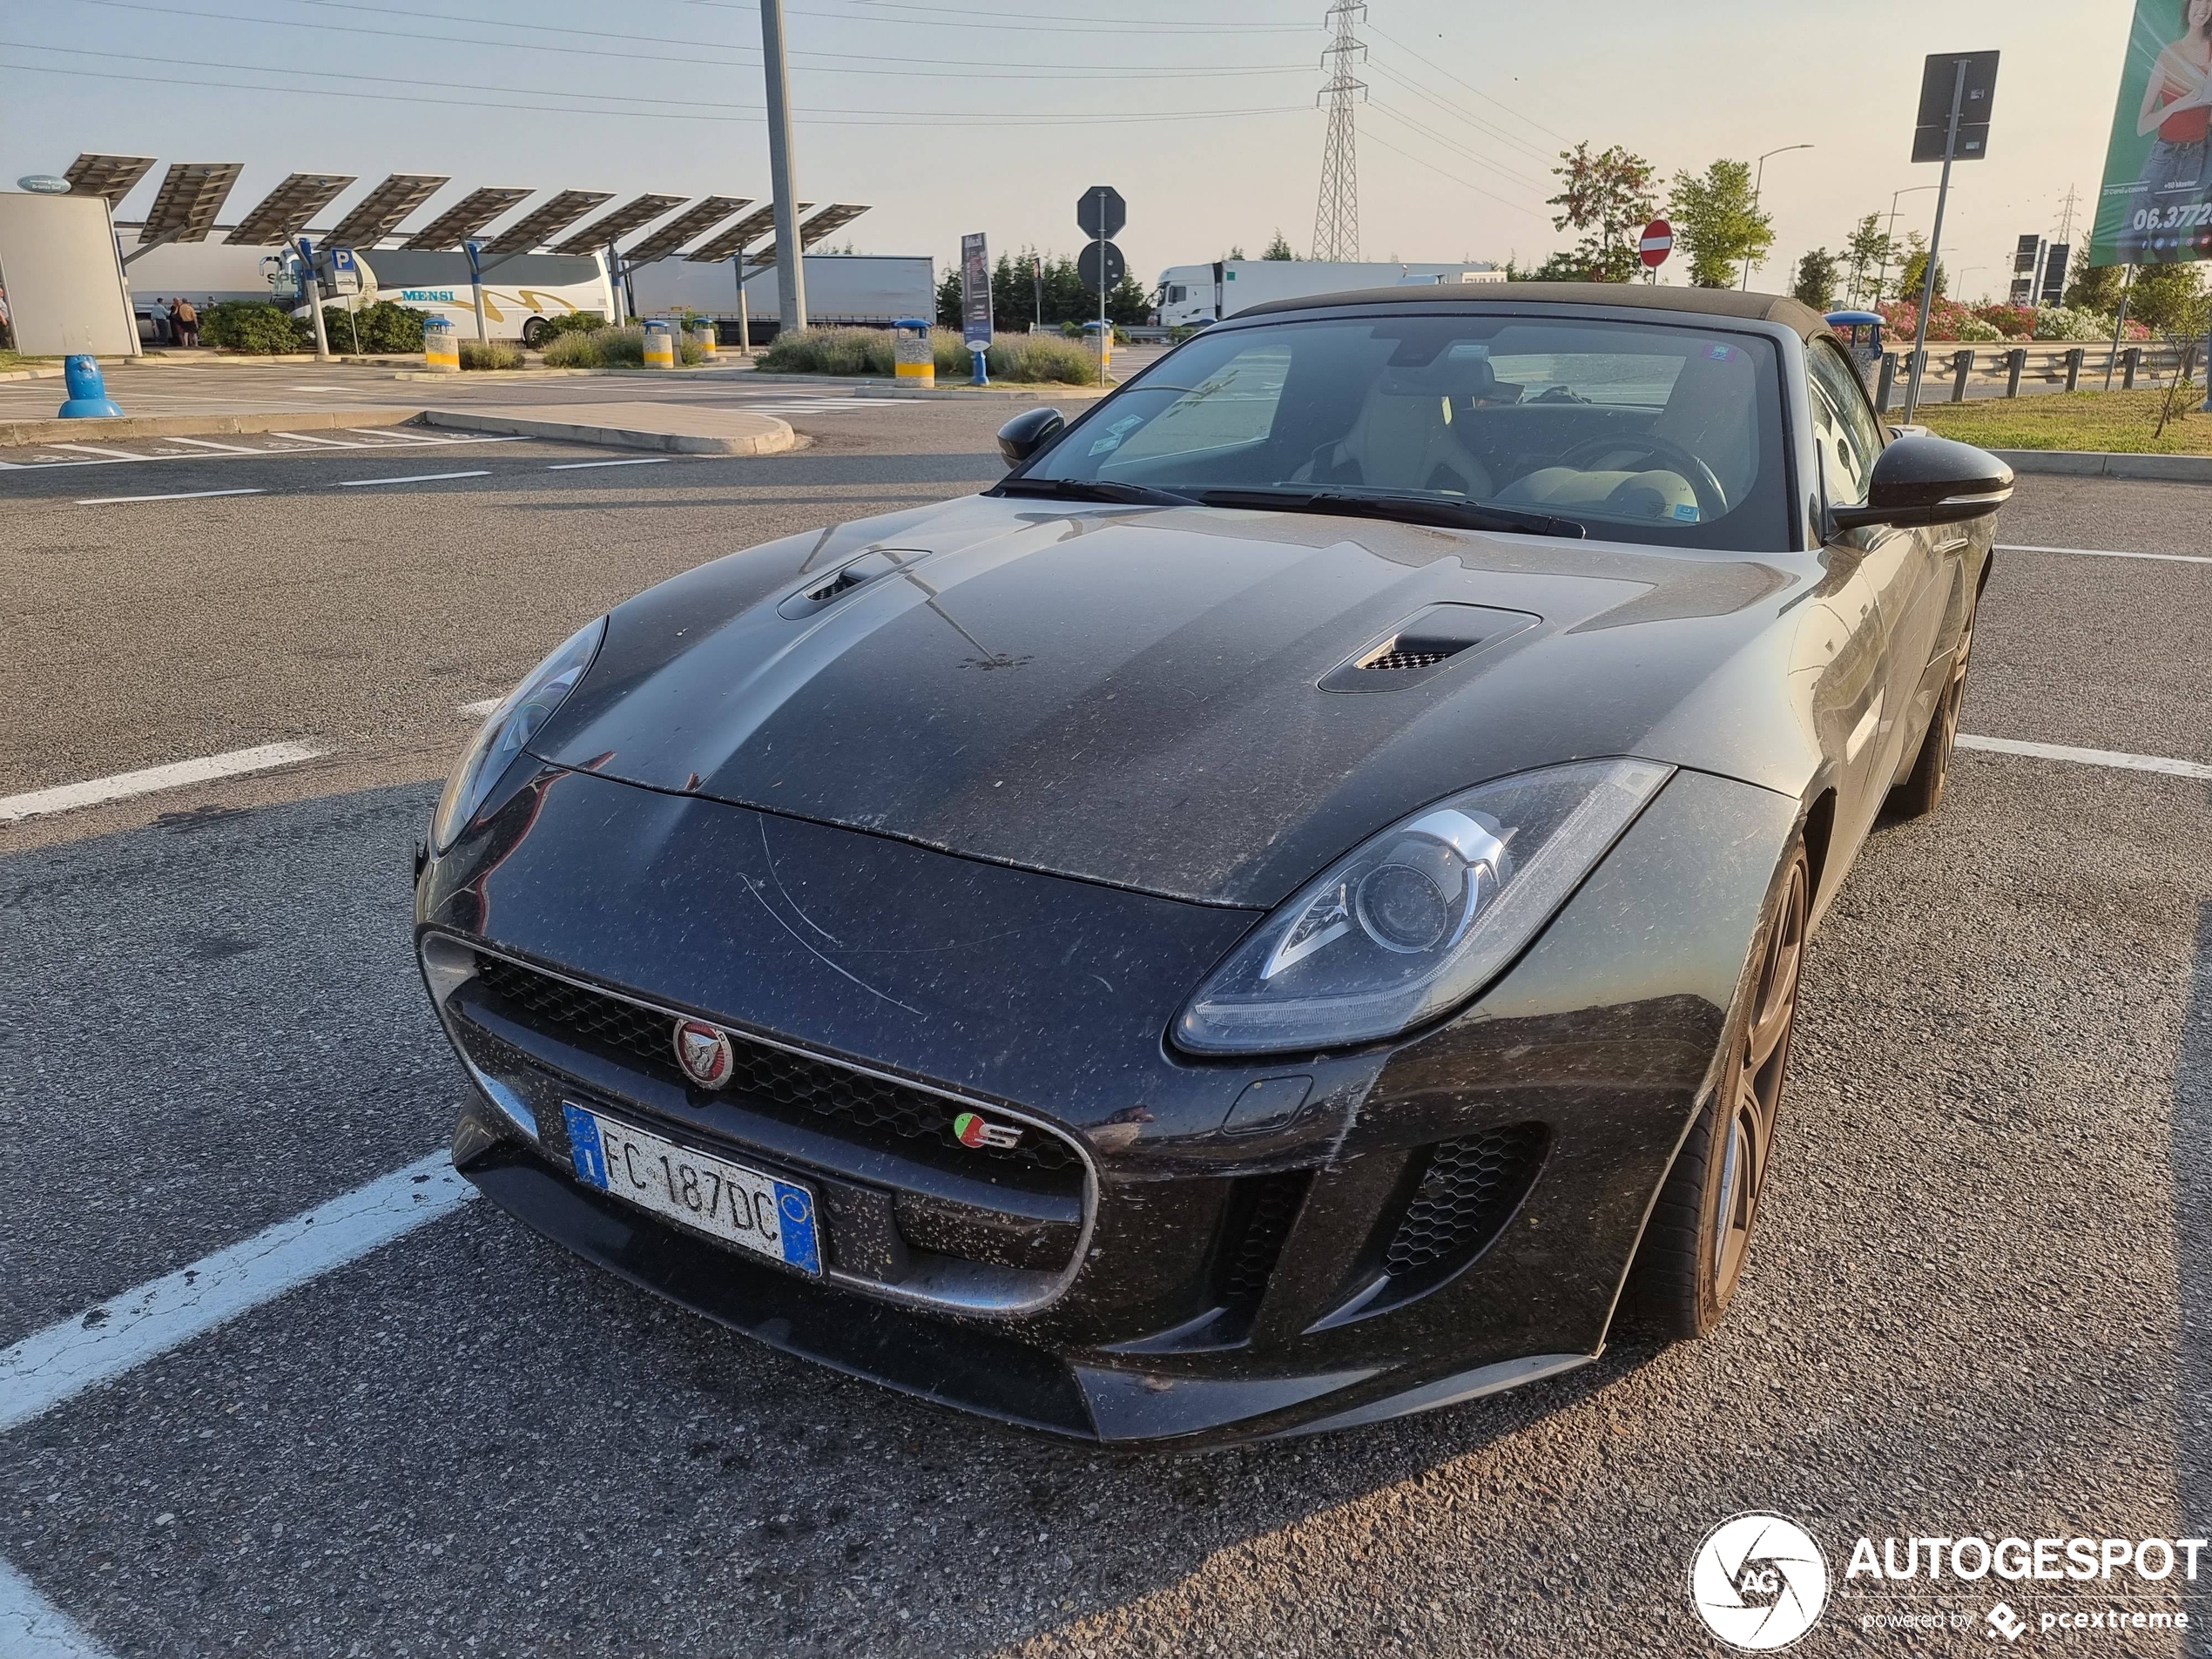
pixel 1411 508
pixel 1097 490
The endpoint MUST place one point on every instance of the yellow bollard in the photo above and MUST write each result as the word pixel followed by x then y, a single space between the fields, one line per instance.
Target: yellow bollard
pixel 660 345
pixel 441 348
pixel 913 357
pixel 707 338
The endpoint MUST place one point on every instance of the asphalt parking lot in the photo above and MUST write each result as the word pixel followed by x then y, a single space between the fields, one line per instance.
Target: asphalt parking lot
pixel 1978 1301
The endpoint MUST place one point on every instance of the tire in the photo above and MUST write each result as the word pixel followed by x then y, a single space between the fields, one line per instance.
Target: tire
pixel 534 332
pixel 1699 1234
pixel 1922 791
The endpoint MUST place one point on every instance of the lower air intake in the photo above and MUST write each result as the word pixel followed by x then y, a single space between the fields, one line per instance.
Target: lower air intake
pixel 1468 1193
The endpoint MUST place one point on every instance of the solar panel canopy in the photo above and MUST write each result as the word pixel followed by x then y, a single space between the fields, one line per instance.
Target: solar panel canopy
pixel 547 220
pixel 191 193
pixel 634 214
pixel 284 213
pixel 725 242
pixel 831 219
pixel 376 215
pixel 681 229
pixel 111 177
pixel 465 218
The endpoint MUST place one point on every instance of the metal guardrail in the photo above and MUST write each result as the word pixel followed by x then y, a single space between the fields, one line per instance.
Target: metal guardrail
pixel 1951 370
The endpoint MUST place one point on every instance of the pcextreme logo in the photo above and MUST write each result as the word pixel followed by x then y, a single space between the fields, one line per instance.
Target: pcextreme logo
pixel 1758 1582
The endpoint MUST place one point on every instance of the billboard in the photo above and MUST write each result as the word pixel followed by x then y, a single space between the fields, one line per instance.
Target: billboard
pixel 2156 207
pixel 975 289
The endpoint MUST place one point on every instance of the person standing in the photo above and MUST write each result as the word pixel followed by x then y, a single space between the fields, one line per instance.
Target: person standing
pixel 183 321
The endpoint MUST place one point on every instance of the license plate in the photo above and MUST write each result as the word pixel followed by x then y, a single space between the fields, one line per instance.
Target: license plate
pixel 710 1195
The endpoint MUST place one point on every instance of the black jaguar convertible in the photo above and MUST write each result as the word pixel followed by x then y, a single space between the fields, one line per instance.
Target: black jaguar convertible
pixel 1287 910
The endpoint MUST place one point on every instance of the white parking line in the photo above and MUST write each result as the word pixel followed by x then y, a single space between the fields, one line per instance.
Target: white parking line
pixel 394 433
pixel 33 1628
pixel 2087 757
pixel 184 495
pixel 581 466
pixel 412 478
pixel 94 450
pixel 203 443
pixel 68 797
pixel 120 458
pixel 87 1349
pixel 327 443
pixel 2099 553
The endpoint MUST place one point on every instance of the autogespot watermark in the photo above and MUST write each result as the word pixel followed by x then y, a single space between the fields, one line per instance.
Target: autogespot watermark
pixel 1760 1582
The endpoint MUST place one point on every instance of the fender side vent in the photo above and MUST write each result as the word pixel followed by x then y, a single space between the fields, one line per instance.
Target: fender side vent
pixel 1258 1225
pixel 1468 1192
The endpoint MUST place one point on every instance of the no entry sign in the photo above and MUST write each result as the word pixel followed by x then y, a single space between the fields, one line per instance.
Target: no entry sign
pixel 1658 243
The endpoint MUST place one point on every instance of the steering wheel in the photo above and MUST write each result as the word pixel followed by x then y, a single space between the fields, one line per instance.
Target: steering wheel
pixel 1712 500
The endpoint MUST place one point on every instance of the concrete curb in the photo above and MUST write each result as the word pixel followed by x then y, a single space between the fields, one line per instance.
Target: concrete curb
pixel 2080 463
pixel 774 438
pixel 1056 393
pixel 472 375
pixel 186 426
pixel 31 374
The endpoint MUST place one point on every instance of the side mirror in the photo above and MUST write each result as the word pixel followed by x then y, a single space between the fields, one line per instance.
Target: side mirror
pixel 1028 432
pixel 1921 480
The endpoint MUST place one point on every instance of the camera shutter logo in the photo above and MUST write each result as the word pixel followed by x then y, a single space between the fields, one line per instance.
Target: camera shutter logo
pixel 1758 1582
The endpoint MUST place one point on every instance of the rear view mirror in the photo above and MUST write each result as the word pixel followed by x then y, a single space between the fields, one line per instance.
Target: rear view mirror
pixel 1921 479
pixel 1028 432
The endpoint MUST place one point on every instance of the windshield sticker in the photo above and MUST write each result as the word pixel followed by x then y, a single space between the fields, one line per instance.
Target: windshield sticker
pixel 1723 354
pixel 1686 512
pixel 1115 433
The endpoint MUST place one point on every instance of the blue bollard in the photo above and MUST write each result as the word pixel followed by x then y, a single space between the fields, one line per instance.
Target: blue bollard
pixel 87 391
pixel 982 374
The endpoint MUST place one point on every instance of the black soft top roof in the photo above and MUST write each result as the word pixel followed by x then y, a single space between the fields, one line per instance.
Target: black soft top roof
pixel 1620 296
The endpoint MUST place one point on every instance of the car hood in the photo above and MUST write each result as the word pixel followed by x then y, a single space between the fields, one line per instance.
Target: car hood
pixel 1170 700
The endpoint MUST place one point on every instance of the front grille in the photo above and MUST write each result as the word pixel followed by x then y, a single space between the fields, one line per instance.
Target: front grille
pixel 870 1107
pixel 1259 1224
pixel 1468 1192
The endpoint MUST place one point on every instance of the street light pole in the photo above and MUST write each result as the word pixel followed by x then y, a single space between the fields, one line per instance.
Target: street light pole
pixel 791 268
pixel 1882 277
pixel 1758 188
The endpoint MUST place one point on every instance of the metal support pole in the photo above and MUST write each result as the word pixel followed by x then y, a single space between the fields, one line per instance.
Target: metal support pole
pixel 2075 359
pixel 1962 366
pixel 2120 325
pixel 1104 339
pixel 2015 365
pixel 614 287
pixel 790 269
pixel 1935 243
pixel 2130 361
pixel 314 299
pixel 1887 385
pixel 745 316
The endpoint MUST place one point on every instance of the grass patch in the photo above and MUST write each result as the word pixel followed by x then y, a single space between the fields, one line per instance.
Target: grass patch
pixel 16 360
pixel 489 353
pixel 610 348
pixel 1022 358
pixel 2109 423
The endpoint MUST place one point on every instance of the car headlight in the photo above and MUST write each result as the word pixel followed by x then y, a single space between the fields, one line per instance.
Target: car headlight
pixel 512 724
pixel 1420 917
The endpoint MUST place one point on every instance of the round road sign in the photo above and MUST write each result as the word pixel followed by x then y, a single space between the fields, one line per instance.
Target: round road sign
pixel 1097 258
pixel 1658 242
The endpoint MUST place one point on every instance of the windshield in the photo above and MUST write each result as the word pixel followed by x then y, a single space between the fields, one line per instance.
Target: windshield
pixel 1650 432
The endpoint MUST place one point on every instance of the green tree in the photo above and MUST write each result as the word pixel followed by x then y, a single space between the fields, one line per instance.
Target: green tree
pixel 1608 198
pixel 1236 253
pixel 1816 276
pixel 2167 299
pixel 1915 275
pixel 2096 288
pixel 948 296
pixel 1279 248
pixel 1716 217
pixel 1869 251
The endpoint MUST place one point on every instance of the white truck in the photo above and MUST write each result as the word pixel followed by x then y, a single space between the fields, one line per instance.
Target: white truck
pixel 1198 293
pixel 868 289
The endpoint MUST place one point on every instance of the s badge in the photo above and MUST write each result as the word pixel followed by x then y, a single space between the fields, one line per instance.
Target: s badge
pixel 972 1131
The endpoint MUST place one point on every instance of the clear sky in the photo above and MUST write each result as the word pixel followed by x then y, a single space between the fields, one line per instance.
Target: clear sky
pixel 964 115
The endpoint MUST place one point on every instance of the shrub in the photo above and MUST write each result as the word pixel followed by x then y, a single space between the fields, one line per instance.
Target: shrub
pixel 608 348
pixel 384 326
pixel 491 354
pixel 1029 358
pixel 2056 323
pixel 2010 321
pixel 1975 332
pixel 835 351
pixel 575 322
pixel 254 327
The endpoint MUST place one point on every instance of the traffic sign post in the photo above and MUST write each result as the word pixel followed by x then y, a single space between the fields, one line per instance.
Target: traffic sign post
pixel 1658 242
pixel 1969 96
pixel 1101 213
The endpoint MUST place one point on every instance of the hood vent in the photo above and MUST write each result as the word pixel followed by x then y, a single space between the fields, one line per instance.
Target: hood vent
pixel 869 567
pixel 1423 645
